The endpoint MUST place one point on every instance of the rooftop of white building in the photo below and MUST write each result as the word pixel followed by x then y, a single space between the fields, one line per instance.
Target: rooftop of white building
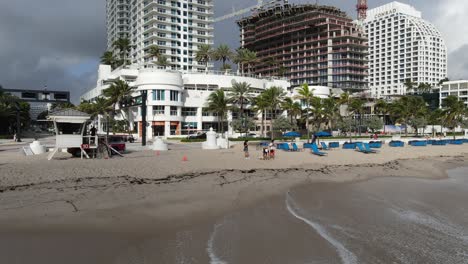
pixel 393 7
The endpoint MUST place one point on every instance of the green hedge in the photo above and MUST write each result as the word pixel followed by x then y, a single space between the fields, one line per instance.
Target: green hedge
pixel 186 140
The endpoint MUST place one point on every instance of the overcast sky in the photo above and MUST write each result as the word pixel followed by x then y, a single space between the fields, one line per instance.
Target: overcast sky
pixel 57 43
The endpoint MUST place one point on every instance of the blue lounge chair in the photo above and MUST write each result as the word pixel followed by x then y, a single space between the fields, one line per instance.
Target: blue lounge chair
pixel 418 143
pixel 368 148
pixel 324 146
pixel 362 149
pixel 295 148
pixel 396 144
pixel 316 151
pixel 348 145
pixel 456 142
pixel 285 146
pixel 375 144
pixel 307 145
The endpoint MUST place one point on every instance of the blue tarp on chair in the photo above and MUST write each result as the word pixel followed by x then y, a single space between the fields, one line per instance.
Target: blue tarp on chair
pixel 396 144
pixel 375 144
pixel 439 143
pixel 456 142
pixel 348 145
pixel 418 143
pixel 334 144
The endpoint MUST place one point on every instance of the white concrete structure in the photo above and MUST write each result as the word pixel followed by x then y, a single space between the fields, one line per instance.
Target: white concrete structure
pixel 210 142
pixel 456 88
pixel 402 46
pixel 176 27
pixel 159 144
pixel 176 99
pixel 37 148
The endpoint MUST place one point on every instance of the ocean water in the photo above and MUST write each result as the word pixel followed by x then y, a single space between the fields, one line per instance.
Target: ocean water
pixel 383 220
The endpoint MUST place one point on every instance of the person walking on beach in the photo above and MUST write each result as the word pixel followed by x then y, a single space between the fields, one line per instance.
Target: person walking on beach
pixel 246 149
pixel 271 149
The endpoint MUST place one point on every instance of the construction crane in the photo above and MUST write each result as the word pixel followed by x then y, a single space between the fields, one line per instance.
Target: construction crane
pixel 362 9
pixel 259 6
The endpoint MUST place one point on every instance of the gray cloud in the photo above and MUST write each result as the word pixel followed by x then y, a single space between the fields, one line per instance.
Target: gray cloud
pixel 55 42
pixel 42 42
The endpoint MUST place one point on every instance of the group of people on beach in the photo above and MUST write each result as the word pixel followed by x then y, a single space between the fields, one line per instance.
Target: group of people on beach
pixel 267 151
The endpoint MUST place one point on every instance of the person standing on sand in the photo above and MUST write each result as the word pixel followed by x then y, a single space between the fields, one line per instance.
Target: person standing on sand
pixel 271 149
pixel 246 149
pixel 93 134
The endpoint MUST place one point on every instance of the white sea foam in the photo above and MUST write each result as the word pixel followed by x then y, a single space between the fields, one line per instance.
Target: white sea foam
pixel 214 259
pixel 346 256
pixel 443 226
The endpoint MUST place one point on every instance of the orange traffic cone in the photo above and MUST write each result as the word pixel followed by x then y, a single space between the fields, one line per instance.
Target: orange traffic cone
pixel 185 158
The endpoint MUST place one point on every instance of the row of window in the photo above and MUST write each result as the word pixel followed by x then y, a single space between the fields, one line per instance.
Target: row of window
pixel 186 111
pixel 160 95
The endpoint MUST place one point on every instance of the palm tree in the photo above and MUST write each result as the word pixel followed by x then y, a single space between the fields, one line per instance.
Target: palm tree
pixel 292 108
pixel 305 94
pixel 250 57
pixel 331 110
pixel 226 67
pixel 245 57
pixel 116 94
pixel 124 46
pixel 381 107
pixel 454 111
pixel 163 61
pixel 261 105
pixel 240 94
pixel 356 107
pixel 345 99
pixel 318 111
pixel 410 86
pixel 223 53
pixel 153 51
pixel 204 54
pixel 424 88
pixel 239 59
pixel 274 96
pixel 108 58
pixel 435 118
pixel 406 108
pixel 218 103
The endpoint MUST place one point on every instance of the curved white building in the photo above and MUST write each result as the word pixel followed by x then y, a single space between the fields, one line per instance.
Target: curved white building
pixel 176 100
pixel 402 46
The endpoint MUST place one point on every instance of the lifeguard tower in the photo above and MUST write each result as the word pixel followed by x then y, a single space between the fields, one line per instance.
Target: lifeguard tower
pixel 69 127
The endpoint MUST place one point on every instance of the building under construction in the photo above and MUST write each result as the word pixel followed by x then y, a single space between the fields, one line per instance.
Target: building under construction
pixel 314 44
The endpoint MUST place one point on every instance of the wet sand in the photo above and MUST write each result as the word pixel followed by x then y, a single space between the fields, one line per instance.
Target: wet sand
pixel 320 212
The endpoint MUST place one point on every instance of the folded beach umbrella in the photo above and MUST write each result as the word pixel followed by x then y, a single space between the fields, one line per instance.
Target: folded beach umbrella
pixel 292 134
pixel 323 134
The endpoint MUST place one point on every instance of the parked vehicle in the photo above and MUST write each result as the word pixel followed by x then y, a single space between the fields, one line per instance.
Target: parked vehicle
pixel 117 143
pixel 199 135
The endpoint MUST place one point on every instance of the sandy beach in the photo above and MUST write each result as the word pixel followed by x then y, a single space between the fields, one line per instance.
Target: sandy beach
pixel 106 206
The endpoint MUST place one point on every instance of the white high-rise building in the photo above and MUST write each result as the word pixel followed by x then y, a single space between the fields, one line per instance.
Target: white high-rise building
pixel 117 20
pixel 176 27
pixel 402 46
